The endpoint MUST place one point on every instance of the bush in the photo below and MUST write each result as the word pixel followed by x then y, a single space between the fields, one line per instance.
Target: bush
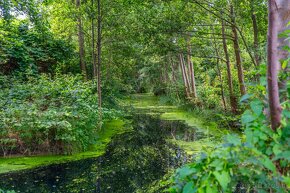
pixel 22 47
pixel 58 115
pixel 258 161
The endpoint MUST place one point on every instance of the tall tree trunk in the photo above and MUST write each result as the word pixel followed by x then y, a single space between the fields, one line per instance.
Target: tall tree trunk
pixel 174 77
pixel 238 54
pixel 278 18
pixel 184 76
pixel 283 8
pixel 81 42
pixel 174 80
pixel 93 47
pixel 255 33
pixel 233 100
pixel 218 69
pixel 186 72
pixel 99 58
pixel 191 69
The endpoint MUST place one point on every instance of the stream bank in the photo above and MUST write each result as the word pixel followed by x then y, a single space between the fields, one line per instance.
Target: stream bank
pixel 112 128
pixel 132 157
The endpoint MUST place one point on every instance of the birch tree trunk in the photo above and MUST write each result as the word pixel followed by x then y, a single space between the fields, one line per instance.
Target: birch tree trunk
pixel 184 77
pixel 191 69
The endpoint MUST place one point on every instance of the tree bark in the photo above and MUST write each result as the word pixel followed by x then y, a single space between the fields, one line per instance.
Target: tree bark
pixel 191 69
pixel 186 72
pixel 172 70
pixel 255 33
pixel 279 12
pixel 174 76
pixel 99 59
pixel 81 42
pixel 283 8
pixel 93 47
pixel 238 54
pixel 233 100
pixel 184 76
pixel 219 70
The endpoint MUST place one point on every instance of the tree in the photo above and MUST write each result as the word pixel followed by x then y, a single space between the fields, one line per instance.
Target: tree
pixel 233 100
pixel 278 19
pixel 237 53
pixel 99 44
pixel 191 69
pixel 81 41
pixel 93 42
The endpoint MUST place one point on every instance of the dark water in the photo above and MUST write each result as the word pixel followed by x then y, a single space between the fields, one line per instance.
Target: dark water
pixel 132 162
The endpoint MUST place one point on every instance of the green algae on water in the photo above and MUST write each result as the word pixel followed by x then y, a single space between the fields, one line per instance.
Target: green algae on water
pixel 109 130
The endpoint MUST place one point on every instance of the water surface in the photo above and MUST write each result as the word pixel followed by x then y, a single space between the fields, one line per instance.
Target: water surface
pixel 132 163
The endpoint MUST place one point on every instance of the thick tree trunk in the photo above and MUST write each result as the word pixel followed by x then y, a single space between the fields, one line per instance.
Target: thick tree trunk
pixel 81 42
pixel 233 100
pixel 184 76
pixel 279 13
pixel 191 69
pixel 283 9
pixel 238 54
pixel 99 58
pixel 255 33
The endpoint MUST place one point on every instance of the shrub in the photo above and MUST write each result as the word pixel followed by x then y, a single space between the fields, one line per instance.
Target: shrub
pixel 257 161
pixel 58 115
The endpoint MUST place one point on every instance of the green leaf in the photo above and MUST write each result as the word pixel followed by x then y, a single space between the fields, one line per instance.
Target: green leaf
pixel 268 164
pixel 211 189
pixel 218 164
pixel 247 117
pixel 188 188
pixel 234 139
pixel 257 107
pixel 286 180
pixel 223 178
pixel 245 97
pixel 186 171
pixel 283 155
pixel 276 149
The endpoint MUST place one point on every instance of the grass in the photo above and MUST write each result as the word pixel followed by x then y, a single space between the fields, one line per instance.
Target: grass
pixel 109 130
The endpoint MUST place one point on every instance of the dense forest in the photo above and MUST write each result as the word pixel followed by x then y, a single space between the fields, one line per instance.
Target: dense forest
pixel 68 69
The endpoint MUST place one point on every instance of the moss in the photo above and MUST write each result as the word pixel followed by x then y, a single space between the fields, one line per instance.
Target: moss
pixel 108 131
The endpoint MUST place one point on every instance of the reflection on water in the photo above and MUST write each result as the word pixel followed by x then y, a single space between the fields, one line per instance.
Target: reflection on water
pixel 132 161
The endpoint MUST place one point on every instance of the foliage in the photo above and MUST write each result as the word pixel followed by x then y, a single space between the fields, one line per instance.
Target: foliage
pixel 58 114
pixel 257 161
pixel 24 48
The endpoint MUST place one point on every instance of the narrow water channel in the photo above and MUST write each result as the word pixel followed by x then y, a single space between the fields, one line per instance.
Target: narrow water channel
pixel 132 162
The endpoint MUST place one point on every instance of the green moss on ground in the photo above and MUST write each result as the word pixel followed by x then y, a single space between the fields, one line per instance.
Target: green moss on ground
pixel 109 130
